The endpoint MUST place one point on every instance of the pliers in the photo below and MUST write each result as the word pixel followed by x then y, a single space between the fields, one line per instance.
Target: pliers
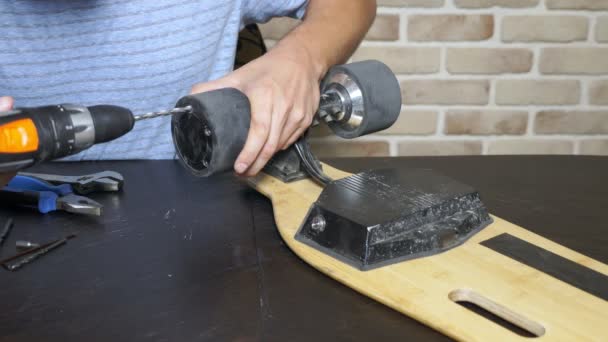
pixel 85 184
pixel 32 192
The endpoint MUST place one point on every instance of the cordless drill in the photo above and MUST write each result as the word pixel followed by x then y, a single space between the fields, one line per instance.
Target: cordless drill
pixel 32 135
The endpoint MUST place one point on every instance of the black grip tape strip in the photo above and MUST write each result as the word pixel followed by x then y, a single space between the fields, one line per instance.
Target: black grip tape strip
pixel 568 271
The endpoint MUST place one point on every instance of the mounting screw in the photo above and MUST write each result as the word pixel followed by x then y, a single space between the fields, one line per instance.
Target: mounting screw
pixel 318 223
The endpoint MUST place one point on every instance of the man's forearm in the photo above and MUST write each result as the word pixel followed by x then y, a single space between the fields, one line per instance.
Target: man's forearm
pixel 331 31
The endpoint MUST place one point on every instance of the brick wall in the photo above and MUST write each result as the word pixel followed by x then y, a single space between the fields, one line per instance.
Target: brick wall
pixel 486 77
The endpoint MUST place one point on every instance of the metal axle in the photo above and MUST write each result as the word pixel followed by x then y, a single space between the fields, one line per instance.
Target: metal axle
pixel 331 107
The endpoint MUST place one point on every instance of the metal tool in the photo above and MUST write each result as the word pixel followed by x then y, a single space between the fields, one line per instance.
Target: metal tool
pixel 8 225
pixel 19 260
pixel 105 181
pixel 32 192
pixel 23 245
pixel 152 115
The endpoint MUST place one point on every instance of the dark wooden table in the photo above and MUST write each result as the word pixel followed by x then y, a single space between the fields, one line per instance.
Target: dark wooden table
pixel 177 258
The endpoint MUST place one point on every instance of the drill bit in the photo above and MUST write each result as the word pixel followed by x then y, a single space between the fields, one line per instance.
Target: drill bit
pixel 7 228
pixel 23 245
pixel 27 256
pixel 152 115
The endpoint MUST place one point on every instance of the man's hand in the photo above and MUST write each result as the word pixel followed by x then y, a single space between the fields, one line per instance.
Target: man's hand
pixel 283 85
pixel 283 88
pixel 6 104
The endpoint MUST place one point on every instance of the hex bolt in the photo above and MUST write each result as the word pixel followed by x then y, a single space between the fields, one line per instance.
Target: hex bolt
pixel 318 223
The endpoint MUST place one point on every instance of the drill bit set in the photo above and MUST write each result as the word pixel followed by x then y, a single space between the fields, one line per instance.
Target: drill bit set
pixel 28 251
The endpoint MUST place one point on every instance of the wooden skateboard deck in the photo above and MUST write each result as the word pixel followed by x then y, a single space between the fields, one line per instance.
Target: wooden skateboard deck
pixel 555 295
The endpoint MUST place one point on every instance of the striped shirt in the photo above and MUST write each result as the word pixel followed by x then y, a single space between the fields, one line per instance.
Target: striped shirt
pixel 140 54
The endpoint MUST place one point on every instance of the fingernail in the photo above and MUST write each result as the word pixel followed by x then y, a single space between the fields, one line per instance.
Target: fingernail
pixel 240 167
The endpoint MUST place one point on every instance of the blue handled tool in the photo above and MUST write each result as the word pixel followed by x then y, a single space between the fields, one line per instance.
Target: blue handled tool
pixel 33 192
pixel 84 184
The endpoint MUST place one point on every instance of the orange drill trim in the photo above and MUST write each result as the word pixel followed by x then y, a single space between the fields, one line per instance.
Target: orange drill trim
pixel 19 136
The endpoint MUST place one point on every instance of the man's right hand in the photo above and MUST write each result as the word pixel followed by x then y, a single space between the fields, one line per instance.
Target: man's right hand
pixel 6 104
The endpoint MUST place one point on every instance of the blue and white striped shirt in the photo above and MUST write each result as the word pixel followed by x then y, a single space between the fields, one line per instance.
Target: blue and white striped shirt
pixel 140 54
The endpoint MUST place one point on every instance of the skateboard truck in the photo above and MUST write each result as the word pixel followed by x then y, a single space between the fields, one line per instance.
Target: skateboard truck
pixel 367 220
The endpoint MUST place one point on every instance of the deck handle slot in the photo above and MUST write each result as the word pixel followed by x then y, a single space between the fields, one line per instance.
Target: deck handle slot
pixel 497 313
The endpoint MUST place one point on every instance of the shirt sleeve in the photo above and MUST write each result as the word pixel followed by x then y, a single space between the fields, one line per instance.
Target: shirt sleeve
pixel 261 11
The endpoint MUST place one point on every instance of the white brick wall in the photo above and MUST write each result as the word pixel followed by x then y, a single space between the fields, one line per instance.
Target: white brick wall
pixel 488 76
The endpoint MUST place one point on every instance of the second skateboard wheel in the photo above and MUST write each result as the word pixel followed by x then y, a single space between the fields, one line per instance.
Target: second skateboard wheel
pixel 371 96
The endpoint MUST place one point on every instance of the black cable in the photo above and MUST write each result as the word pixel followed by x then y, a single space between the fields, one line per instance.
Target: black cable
pixel 309 162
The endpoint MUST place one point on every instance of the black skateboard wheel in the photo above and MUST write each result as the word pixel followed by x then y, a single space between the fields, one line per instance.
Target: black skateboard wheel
pixel 370 93
pixel 209 137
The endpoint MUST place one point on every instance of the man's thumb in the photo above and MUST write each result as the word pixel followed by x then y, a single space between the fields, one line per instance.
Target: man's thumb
pixel 6 103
